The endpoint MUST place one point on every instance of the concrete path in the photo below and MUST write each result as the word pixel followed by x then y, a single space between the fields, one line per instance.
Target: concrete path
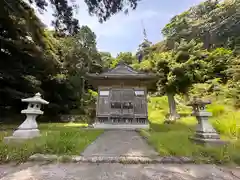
pixel 115 143
pixel 117 172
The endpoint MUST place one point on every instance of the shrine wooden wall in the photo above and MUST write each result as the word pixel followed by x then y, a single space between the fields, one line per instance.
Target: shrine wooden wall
pixel 129 96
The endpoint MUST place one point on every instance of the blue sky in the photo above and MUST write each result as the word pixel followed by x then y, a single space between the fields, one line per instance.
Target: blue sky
pixel 122 32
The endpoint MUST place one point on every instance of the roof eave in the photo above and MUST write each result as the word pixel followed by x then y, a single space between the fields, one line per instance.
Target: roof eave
pixel 118 76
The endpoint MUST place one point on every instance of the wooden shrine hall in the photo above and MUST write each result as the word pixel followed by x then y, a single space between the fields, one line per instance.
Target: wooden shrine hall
pixel 122 98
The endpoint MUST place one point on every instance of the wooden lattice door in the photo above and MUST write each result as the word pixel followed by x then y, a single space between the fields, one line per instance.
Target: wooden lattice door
pixel 127 97
pixel 122 104
pixel 115 102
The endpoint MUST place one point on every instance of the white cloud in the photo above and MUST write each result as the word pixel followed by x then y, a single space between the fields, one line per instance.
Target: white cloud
pixel 116 25
pixel 115 34
pixel 119 25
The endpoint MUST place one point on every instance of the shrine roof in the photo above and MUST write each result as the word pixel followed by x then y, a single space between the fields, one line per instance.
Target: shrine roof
pixel 122 71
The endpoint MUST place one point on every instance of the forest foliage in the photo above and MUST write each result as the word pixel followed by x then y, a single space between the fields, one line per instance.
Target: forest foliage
pixel 201 45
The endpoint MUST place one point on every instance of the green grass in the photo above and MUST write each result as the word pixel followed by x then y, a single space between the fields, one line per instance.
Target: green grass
pixel 173 139
pixel 168 139
pixel 56 138
pixel 44 126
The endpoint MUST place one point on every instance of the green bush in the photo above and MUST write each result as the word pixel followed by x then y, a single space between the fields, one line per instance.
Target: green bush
pixel 173 139
pixel 227 124
pixel 158 103
pixel 216 109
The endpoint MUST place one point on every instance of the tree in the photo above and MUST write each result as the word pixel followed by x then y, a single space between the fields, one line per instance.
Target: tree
pixel 143 50
pixel 64 10
pixel 80 55
pixel 34 60
pixel 80 52
pixel 125 57
pixel 219 60
pixel 214 23
pixel 27 55
pixel 106 59
pixel 233 84
pixel 105 9
pixel 178 70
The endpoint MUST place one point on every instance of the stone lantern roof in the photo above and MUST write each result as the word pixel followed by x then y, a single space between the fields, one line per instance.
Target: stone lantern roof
pixel 36 99
pixel 198 102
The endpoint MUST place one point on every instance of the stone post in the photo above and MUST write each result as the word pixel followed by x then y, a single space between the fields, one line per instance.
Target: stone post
pixel 205 133
pixel 29 128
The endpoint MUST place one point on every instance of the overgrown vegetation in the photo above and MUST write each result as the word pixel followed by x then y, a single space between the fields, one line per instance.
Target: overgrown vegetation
pixel 173 139
pixel 200 47
pixel 35 59
pixel 197 49
pixel 56 138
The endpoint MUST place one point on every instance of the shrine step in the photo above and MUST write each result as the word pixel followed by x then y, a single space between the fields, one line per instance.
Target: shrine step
pixel 120 126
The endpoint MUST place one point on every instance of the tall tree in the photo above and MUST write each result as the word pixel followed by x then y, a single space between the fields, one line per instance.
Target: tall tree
pixel 33 60
pixel 215 23
pixel 80 55
pixel 106 59
pixel 26 55
pixel 125 57
pixel 143 50
pixel 178 70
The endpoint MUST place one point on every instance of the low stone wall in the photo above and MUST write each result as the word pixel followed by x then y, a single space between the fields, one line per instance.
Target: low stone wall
pixel 120 159
pixel 72 118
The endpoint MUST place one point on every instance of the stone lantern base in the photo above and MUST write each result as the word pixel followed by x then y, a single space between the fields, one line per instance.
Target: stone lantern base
pixel 22 135
pixel 208 142
pixel 29 128
pixel 207 139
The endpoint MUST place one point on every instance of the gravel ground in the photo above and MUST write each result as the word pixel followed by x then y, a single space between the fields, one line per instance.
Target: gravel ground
pixel 85 171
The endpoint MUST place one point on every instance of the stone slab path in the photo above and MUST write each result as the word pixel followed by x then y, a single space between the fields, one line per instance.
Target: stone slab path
pixel 116 143
pixel 85 171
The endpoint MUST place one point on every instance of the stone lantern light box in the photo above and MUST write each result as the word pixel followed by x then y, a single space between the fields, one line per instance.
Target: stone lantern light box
pixel 29 128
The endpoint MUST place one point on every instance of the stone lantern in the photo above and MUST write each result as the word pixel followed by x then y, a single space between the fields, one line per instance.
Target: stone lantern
pixel 205 133
pixel 29 128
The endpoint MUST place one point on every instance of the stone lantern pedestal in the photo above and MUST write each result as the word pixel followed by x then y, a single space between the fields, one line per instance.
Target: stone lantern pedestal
pixel 29 128
pixel 205 133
